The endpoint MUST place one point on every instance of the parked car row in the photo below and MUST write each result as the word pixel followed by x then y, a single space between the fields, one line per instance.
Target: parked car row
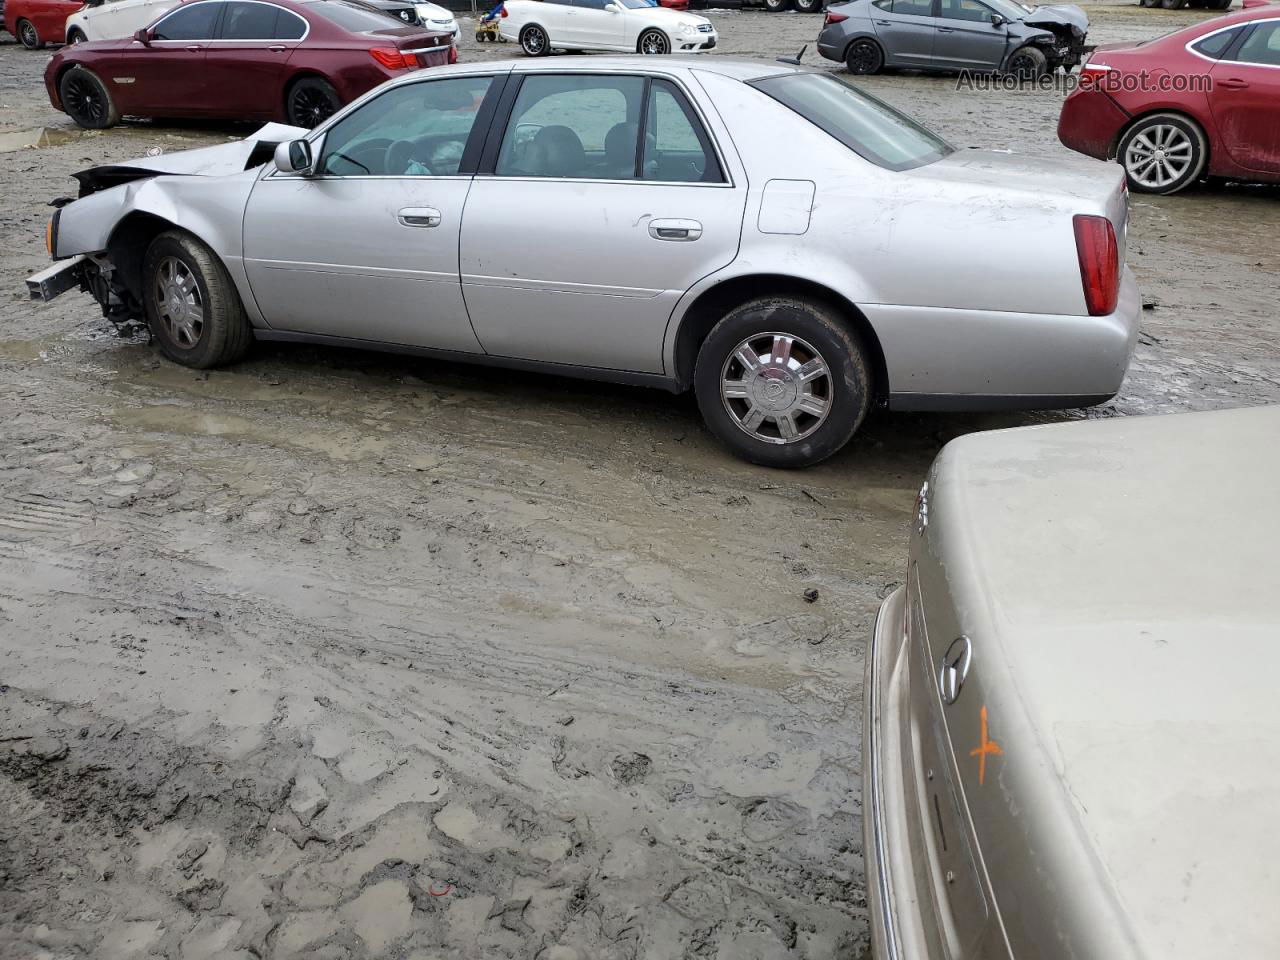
pixel 37 23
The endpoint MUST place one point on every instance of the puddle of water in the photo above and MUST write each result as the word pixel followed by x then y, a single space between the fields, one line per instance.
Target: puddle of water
pixel 170 418
pixel 39 137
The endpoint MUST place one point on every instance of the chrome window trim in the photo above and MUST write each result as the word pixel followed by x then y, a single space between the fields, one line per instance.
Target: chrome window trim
pixel 1247 25
pixel 633 180
pixel 683 87
pixel 306 24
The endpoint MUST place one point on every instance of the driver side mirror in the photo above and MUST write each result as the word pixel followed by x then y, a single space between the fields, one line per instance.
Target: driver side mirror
pixel 997 20
pixel 613 8
pixel 294 156
pixel 144 36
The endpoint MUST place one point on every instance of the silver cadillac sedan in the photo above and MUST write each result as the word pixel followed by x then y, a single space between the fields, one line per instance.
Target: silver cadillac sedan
pixel 1072 741
pixel 787 246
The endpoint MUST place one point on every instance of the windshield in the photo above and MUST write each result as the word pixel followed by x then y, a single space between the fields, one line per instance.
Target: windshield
pixel 867 126
pixel 637 4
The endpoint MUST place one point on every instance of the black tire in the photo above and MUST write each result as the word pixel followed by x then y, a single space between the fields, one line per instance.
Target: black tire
pixel 534 41
pixel 310 101
pixel 223 334
pixel 1173 4
pixel 864 57
pixel 809 6
pixel 777 6
pixel 75 35
pixel 1185 130
pixel 1028 63
pixel 818 334
pixel 28 35
pixel 86 99
pixel 654 43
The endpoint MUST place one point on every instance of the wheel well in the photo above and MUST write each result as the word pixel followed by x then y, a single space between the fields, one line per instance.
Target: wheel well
pixel 294 81
pixel 128 245
pixel 1114 153
pixel 860 37
pixel 711 306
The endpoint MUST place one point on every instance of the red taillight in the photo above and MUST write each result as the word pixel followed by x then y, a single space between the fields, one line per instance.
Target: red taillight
pixel 391 58
pixel 1099 263
pixel 834 18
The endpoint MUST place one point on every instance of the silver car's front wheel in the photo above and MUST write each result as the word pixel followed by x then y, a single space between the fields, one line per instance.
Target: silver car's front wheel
pixel 783 381
pixel 1163 153
pixel 776 387
pixel 178 303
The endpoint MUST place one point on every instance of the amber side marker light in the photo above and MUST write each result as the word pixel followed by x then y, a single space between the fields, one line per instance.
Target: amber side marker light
pixel 1099 263
pixel 48 236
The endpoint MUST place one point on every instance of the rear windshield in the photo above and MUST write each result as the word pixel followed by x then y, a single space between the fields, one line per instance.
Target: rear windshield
pixel 869 127
pixel 349 16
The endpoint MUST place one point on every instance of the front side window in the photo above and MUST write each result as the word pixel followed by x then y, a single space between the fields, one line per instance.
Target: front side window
pixel 867 126
pixel 573 126
pixel 676 148
pixel 249 21
pixel 970 10
pixel 1262 46
pixel 1215 45
pixel 195 22
pixel 913 8
pixel 415 130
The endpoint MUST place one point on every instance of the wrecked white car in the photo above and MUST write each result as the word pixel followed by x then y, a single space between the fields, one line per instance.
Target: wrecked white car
pixel 640 221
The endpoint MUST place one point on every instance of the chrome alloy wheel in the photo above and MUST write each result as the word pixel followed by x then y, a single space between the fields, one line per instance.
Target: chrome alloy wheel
pixel 178 303
pixel 654 42
pixel 776 387
pixel 534 42
pixel 1159 156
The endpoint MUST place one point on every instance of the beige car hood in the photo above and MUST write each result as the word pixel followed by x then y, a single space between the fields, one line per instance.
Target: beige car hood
pixel 1127 569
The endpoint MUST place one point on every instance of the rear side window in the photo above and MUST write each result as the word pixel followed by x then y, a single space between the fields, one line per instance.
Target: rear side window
pixel 1215 45
pixel 249 21
pixel 349 16
pixel 195 22
pixel 913 8
pixel 676 148
pixel 869 127
pixel 1262 46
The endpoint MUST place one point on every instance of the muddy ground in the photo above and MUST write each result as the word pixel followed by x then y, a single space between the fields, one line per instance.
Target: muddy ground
pixel 337 655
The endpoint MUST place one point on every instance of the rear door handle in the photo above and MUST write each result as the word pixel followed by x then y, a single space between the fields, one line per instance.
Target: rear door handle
pixel 1233 83
pixel 277 48
pixel 883 23
pixel 194 48
pixel 419 216
pixel 946 29
pixel 677 230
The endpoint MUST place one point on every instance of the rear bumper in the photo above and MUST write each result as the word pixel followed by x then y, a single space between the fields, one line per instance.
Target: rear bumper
pixel 831 46
pixel 955 360
pixel 1090 123
pixel 880 898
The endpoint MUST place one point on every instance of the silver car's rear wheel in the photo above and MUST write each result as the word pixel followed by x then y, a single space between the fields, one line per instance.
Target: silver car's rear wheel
pixel 776 387
pixel 783 381
pixel 653 42
pixel 1163 153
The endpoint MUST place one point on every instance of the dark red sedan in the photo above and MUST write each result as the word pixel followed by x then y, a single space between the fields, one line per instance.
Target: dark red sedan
pixel 1204 101
pixel 296 61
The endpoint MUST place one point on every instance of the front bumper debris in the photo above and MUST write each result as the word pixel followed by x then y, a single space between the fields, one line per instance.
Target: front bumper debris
pixel 58 279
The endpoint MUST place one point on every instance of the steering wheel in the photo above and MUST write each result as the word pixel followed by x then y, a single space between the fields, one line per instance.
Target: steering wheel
pixel 400 154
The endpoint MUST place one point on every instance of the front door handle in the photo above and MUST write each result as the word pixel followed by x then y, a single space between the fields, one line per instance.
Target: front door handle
pixel 678 230
pixel 194 48
pixel 882 23
pixel 1233 83
pixel 277 48
pixel 419 216
pixel 946 29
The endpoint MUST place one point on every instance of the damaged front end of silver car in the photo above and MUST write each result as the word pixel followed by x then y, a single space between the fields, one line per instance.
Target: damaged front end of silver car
pixel 97 239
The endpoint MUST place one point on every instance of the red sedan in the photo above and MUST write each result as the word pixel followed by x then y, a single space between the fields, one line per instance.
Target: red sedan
pixel 1204 101
pixel 37 22
pixel 296 61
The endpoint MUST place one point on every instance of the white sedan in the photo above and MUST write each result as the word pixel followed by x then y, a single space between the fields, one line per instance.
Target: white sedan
pixel 114 19
pixel 437 17
pixel 627 26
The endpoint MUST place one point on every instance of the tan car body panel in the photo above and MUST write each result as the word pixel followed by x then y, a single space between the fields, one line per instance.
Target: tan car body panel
pixel 1118 584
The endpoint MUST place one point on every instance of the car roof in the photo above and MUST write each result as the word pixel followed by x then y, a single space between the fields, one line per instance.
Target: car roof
pixel 739 68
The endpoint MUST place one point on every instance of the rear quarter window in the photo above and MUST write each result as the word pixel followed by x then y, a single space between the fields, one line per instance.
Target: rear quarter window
pixel 869 127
